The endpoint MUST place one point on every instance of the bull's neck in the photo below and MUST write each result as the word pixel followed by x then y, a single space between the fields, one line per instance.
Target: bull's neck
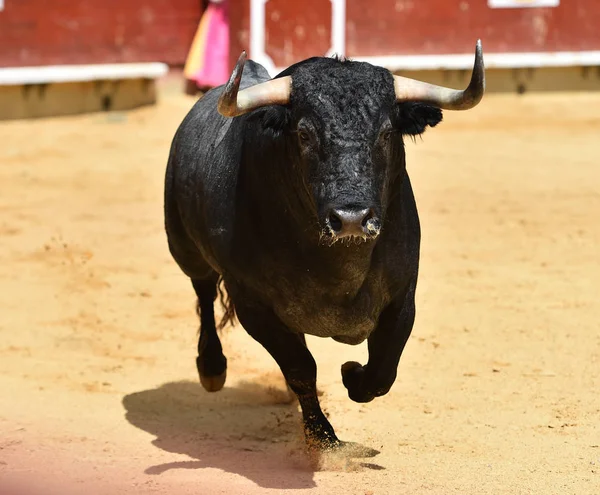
pixel 275 201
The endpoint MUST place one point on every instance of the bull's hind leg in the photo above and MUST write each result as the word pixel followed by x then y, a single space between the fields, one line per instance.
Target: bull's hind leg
pixel 211 363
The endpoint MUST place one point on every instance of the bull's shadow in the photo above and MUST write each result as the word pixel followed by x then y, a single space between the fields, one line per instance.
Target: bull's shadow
pixel 241 430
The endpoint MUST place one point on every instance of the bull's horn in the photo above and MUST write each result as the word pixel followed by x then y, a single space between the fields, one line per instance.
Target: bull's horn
pixel 446 98
pixel 273 92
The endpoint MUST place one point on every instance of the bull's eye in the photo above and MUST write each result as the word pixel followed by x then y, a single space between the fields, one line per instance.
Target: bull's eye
pixel 303 136
pixel 386 135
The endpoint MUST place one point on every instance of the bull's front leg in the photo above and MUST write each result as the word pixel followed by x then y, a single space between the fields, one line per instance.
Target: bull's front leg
pixel 298 367
pixel 386 344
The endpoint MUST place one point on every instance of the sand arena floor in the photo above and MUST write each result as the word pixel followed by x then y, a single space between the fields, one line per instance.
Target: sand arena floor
pixel 498 388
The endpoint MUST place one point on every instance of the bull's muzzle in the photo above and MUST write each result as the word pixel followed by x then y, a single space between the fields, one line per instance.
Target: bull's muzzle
pixel 352 223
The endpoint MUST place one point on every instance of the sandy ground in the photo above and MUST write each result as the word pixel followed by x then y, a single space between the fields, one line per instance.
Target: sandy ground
pixel 498 388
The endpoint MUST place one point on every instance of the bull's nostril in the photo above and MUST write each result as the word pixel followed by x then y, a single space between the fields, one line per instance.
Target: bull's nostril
pixel 372 227
pixel 352 222
pixel 335 222
pixel 368 216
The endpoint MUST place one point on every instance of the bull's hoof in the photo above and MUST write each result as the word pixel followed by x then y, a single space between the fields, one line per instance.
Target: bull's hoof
pixel 353 378
pixel 352 373
pixel 336 446
pixel 337 455
pixel 212 370
pixel 356 450
pixel 320 438
pixel 213 383
pixel 320 444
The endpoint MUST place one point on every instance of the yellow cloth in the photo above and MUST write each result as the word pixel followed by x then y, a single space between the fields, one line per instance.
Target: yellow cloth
pixel 195 58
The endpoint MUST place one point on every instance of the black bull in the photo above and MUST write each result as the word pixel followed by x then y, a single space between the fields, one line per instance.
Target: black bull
pixel 294 193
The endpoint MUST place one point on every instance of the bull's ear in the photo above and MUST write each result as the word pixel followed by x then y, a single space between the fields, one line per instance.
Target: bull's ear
pixel 412 118
pixel 273 119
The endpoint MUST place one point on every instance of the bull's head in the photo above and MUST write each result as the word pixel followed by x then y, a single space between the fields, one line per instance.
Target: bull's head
pixel 347 121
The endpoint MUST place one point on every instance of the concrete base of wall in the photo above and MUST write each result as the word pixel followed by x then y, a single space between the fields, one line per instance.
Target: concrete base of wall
pixel 53 99
pixel 517 80
pixel 45 91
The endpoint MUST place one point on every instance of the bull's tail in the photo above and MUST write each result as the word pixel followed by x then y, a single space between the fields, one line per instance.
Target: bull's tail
pixel 228 317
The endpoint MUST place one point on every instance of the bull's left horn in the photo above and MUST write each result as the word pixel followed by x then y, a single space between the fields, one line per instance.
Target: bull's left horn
pixel 445 98
pixel 234 102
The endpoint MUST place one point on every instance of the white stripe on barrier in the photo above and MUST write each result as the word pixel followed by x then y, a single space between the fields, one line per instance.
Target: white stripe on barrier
pixel 77 73
pixel 492 61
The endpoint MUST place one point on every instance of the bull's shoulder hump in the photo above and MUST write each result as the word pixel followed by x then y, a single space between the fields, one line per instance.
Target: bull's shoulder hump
pixel 254 73
pixel 203 131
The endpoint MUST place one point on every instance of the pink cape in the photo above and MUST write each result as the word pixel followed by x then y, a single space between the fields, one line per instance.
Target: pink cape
pixel 214 68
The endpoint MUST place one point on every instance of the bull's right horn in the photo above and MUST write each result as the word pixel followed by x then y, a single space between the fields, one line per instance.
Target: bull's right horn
pixel 234 102
pixel 445 98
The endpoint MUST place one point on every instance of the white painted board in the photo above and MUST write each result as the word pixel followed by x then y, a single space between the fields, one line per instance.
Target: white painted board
pixel 515 4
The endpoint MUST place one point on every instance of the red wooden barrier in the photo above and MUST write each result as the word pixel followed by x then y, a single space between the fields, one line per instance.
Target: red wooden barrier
pixel 373 28
pixel 41 32
pixel 392 27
